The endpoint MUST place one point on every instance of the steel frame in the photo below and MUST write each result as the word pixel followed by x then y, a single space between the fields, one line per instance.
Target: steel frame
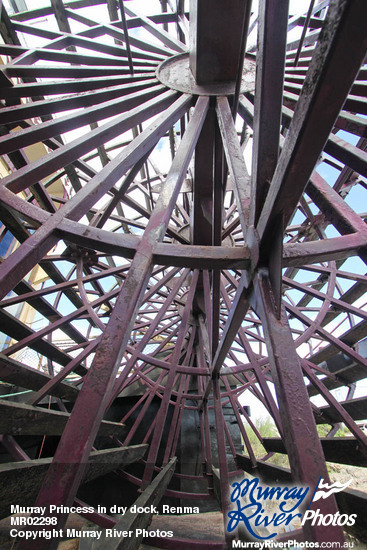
pixel 200 283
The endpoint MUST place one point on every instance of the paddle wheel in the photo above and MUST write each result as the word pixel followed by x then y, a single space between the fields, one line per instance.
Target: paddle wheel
pixel 183 238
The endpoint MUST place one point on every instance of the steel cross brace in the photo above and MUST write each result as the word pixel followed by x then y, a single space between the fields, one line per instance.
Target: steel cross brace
pixel 325 65
pixel 300 434
pixel 65 473
pixel 280 203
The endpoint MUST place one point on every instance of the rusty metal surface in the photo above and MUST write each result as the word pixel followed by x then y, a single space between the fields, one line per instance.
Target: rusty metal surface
pixel 142 256
pixel 175 73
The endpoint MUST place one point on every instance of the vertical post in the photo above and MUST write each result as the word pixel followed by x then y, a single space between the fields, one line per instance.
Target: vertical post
pixel 126 33
pixel 300 435
pixel 272 41
pixel 222 458
pixel 215 39
pixel 203 183
pixel 218 193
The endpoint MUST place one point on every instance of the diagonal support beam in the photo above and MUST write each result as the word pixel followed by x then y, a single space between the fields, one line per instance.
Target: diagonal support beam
pixel 157 32
pixel 300 435
pixel 272 42
pixel 235 317
pixel 340 51
pixel 235 161
pixel 65 473
pixel 61 16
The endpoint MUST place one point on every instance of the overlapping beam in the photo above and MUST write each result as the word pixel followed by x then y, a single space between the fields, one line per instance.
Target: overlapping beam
pixel 62 480
pixel 315 115
pixel 187 336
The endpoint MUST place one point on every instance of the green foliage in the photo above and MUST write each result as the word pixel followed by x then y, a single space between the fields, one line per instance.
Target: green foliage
pixel 324 429
pixel 266 428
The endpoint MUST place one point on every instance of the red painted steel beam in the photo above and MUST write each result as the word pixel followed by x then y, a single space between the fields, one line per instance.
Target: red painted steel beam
pixel 168 40
pixel 61 16
pixel 300 435
pixel 52 128
pixel 149 333
pixel 126 32
pixel 114 30
pixel 48 54
pixel 222 458
pixel 241 184
pixel 270 61
pixel 65 473
pixel 336 407
pixel 340 50
pixel 328 337
pixel 50 106
pixel 37 245
pixel 203 183
pixel 53 71
pixel 218 203
pixel 334 302
pixel 331 204
pixel 215 39
pixel 235 161
pixel 345 152
pixel 70 152
pixel 257 369
pixel 234 320
pixel 160 418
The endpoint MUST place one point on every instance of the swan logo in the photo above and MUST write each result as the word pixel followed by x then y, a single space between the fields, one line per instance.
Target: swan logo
pixel 324 490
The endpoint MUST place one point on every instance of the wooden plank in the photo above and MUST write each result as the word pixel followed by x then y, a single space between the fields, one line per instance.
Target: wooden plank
pixel 348 500
pixel 18 330
pixel 344 450
pixel 22 419
pixel 133 521
pixel 14 372
pixel 357 408
pixel 351 374
pixel 267 472
pixel 351 501
pixel 20 482
pixel 216 486
pixel 346 372
pixel 350 337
